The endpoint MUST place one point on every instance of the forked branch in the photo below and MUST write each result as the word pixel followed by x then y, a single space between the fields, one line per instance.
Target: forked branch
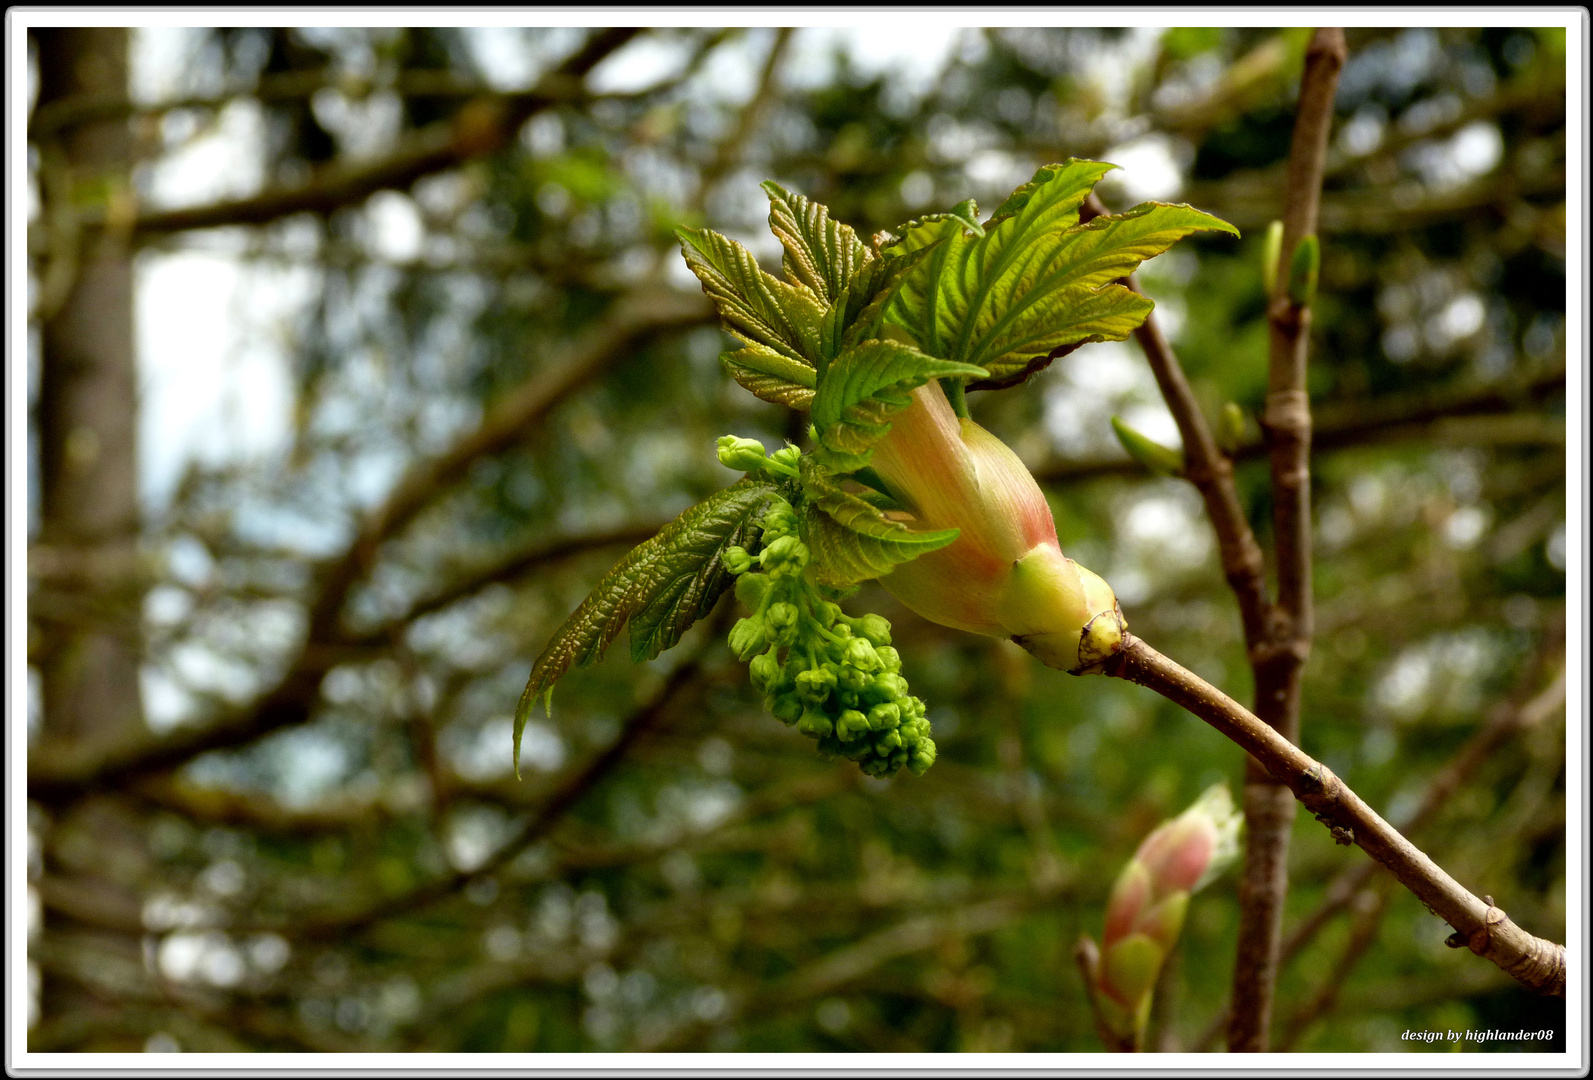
pixel 1479 924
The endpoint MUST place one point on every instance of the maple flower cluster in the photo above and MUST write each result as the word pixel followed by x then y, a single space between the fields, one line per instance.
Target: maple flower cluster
pixel 834 676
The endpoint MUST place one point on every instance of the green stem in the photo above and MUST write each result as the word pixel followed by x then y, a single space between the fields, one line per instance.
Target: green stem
pixel 956 393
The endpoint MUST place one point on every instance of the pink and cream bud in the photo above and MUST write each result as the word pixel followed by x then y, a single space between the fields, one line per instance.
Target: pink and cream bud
pixel 1145 912
pixel 1005 576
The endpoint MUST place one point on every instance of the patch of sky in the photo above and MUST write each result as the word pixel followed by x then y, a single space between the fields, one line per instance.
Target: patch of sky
pixel 642 63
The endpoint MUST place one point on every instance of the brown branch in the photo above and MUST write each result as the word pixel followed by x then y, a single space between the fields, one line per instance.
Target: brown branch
pixel 63 771
pixel 558 804
pixel 1206 467
pixel 1278 662
pixel 510 567
pixel 1537 964
pixel 290 86
pixel 1472 755
pixel 480 127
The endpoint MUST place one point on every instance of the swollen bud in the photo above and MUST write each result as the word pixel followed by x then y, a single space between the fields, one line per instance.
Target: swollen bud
pixel 1303 271
pixel 1145 912
pixel 1005 575
pixel 1159 459
pixel 743 455
pixel 1271 252
pixel 1230 428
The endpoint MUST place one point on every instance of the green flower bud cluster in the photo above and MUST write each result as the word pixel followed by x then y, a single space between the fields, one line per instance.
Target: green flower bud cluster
pixel 749 456
pixel 835 677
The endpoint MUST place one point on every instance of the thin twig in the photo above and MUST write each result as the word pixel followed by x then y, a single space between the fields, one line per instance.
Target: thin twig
pixel 1479 924
pixel 516 564
pixel 297 86
pixel 1278 664
pixel 480 127
pixel 1205 467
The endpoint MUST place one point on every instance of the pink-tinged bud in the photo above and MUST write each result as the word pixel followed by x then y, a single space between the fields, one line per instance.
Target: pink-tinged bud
pixel 1145 912
pixel 1005 576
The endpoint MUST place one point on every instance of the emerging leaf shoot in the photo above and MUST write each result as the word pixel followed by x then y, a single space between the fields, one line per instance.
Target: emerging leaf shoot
pixel 901 485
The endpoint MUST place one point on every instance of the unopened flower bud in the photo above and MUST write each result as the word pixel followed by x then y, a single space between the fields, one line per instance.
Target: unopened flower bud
pixel 851 724
pixel 815 724
pixel 1145 912
pixel 861 655
pixel 736 560
pixel 885 687
pixel 781 615
pixel 779 520
pixel 787 708
pixel 884 717
pixel 786 458
pixel 814 686
pixel 786 555
pixel 765 671
pixel 748 638
pixel 743 455
pixel 874 629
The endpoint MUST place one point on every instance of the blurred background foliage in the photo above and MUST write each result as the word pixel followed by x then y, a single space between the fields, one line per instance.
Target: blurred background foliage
pixel 305 834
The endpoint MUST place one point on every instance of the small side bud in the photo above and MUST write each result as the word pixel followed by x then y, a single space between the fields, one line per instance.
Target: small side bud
pixel 1271 252
pixel 1230 428
pixel 1304 268
pixel 1159 459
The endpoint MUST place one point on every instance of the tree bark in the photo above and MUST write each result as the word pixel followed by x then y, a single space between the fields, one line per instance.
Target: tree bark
pixel 86 422
pixel 87 408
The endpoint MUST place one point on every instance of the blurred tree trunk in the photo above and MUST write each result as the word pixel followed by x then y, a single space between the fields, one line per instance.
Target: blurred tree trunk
pixel 87 411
